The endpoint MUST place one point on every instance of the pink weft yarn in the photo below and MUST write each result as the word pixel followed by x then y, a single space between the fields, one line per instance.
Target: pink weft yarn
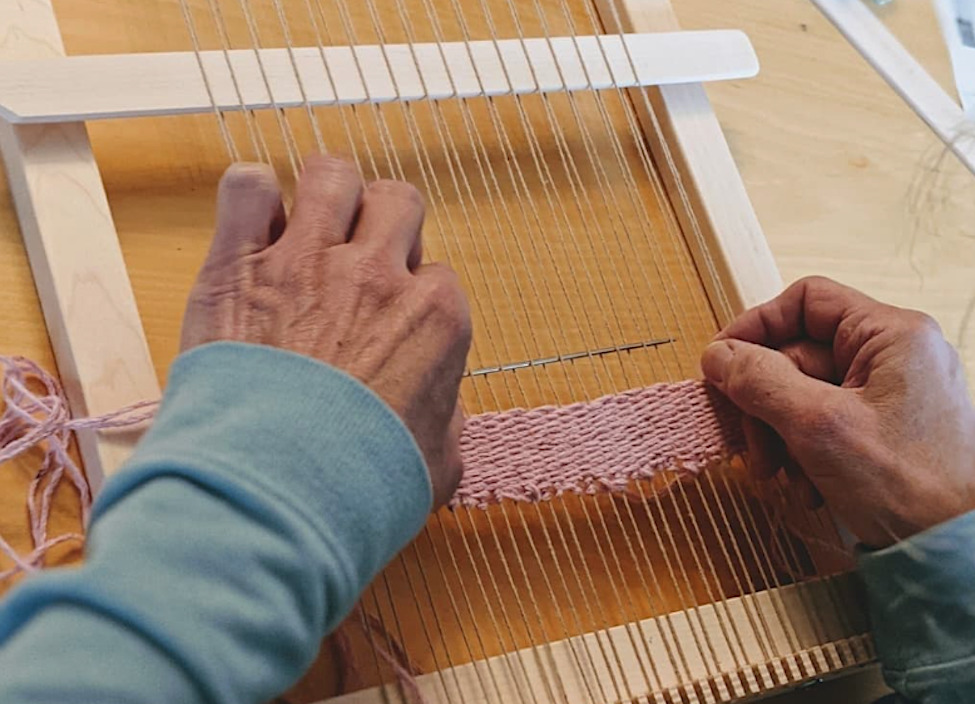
pixel 30 419
pixel 521 455
pixel 596 446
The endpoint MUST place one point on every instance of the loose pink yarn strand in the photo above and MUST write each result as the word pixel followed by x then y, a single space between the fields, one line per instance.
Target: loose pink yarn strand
pixel 30 419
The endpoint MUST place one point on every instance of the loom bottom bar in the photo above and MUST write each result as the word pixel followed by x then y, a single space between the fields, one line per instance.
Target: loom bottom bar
pixel 573 671
pixel 132 85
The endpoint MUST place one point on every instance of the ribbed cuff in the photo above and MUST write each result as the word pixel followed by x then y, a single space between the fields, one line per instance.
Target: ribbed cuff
pixel 281 425
pixel 922 606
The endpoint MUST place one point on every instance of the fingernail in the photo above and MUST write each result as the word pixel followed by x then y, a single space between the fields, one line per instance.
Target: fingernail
pixel 715 360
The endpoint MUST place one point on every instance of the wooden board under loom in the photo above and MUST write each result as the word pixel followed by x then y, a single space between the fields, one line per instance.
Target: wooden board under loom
pixel 575 226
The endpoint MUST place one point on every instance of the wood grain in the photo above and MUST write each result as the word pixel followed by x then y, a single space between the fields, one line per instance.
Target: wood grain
pixel 74 253
pixel 905 74
pixel 711 202
pixel 846 179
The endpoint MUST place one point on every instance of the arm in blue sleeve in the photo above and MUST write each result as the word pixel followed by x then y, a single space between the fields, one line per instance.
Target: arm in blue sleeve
pixel 268 493
pixel 922 604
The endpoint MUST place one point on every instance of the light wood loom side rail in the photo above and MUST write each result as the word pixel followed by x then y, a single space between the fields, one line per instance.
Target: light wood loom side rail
pixel 713 193
pixel 91 315
pixel 904 74
pixel 729 674
pixel 132 85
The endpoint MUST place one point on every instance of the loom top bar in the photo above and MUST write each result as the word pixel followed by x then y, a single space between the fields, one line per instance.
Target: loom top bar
pixel 131 85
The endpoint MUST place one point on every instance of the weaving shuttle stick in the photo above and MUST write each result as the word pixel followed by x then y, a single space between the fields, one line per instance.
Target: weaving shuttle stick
pixel 84 289
pixel 136 85
pixel 731 238
pixel 904 74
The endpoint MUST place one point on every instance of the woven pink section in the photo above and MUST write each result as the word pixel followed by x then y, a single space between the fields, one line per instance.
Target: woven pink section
pixel 596 446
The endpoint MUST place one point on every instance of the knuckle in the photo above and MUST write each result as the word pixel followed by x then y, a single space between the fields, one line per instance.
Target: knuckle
pixel 331 164
pixel 442 293
pixel 815 282
pixel 372 273
pixel 337 175
pixel 405 195
pixel 921 324
pixel 396 189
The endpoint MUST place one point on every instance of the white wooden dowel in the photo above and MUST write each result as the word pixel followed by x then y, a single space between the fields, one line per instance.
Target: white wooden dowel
pixel 93 87
pixel 89 307
pixel 904 74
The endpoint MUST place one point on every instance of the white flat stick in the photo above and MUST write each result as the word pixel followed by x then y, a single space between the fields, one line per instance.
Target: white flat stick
pixel 91 315
pixel 92 87
pixel 904 74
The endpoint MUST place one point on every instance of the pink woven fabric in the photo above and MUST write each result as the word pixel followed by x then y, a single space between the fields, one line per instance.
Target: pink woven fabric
pixel 597 446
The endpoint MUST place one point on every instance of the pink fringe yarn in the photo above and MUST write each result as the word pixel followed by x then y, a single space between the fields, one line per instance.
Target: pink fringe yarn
pixel 33 418
pixel 596 446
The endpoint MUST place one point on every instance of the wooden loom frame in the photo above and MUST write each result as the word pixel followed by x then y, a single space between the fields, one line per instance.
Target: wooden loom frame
pixel 94 323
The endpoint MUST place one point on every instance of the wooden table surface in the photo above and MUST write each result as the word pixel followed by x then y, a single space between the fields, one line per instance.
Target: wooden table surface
pixel 846 180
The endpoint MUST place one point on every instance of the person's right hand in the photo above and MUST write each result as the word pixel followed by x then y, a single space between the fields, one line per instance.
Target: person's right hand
pixel 341 281
pixel 867 400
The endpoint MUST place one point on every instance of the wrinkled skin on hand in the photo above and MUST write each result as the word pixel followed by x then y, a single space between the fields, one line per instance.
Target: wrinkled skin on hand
pixel 865 401
pixel 341 281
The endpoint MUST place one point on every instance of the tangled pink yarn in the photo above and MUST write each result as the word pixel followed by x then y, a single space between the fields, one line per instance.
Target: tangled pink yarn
pixel 32 418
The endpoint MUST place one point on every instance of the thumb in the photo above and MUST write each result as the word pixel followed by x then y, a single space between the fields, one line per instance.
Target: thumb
pixel 763 382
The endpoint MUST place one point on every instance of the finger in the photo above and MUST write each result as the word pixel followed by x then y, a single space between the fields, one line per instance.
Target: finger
pixel 766 450
pixel 250 215
pixel 763 383
pixel 390 221
pixel 813 307
pixel 440 285
pixel 326 202
pixel 814 359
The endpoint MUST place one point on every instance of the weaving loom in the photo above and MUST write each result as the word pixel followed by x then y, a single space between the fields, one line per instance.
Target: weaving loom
pixel 580 185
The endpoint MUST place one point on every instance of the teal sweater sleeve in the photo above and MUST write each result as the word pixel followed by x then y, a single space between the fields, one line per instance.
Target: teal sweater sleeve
pixel 268 493
pixel 922 604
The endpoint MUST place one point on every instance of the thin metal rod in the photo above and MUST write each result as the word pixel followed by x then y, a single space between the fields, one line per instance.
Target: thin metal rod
pixel 587 354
